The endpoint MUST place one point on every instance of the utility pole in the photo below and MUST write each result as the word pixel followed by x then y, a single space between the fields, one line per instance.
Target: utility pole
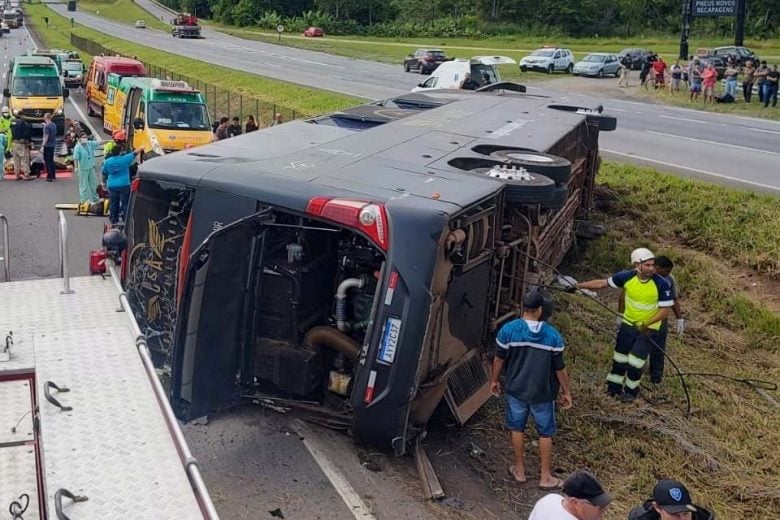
pixel 739 34
pixel 685 33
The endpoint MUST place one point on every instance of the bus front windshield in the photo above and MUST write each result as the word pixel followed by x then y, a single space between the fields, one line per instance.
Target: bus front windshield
pixel 183 116
pixel 37 86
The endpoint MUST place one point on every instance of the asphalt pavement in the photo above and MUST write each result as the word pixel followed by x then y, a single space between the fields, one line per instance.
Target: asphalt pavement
pixel 740 151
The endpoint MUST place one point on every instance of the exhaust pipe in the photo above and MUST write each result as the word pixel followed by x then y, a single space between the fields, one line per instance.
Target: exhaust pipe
pixel 341 300
pixel 323 336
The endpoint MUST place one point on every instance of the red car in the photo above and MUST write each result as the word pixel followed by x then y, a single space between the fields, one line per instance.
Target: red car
pixel 314 32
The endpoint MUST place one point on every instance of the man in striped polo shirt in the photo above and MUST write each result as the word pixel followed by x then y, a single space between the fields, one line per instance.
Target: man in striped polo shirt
pixel 647 300
pixel 532 353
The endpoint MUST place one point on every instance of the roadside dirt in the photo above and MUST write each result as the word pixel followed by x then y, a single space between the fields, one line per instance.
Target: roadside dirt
pixel 599 87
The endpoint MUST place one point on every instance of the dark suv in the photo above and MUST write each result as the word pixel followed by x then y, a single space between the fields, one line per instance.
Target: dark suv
pixel 740 54
pixel 361 260
pixel 424 61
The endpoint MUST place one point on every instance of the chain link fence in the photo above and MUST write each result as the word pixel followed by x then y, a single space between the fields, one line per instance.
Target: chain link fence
pixel 221 102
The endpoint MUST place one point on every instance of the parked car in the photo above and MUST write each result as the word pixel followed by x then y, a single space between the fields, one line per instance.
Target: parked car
pixel 741 54
pixel 4 27
pixel 597 64
pixel 140 24
pixel 73 73
pixel 638 57
pixel 548 59
pixel 424 61
pixel 314 32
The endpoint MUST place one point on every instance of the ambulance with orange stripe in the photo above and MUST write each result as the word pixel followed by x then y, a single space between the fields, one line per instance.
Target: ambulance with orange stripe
pixel 160 116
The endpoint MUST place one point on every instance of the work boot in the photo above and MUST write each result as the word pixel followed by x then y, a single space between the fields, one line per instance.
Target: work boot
pixel 628 398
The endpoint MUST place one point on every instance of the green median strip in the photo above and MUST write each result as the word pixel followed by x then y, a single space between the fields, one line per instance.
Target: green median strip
pixel 123 11
pixel 286 97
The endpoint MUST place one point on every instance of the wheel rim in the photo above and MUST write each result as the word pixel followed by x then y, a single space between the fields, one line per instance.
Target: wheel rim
pixel 529 157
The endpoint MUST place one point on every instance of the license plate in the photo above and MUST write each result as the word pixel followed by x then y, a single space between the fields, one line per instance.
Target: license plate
pixel 37 125
pixel 389 340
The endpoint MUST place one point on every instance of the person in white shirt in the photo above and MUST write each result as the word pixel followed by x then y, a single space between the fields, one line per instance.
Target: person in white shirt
pixel 583 499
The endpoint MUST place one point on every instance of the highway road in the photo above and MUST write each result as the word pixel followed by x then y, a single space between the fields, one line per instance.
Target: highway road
pixel 735 150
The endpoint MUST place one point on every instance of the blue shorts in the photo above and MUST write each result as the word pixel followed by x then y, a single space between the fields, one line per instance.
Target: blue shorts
pixel 517 416
pixel 696 86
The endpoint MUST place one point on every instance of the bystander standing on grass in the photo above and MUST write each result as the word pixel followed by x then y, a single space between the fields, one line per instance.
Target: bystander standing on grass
pixel 771 86
pixel 748 80
pixel 760 76
pixel 708 78
pixel 694 75
pixel 731 73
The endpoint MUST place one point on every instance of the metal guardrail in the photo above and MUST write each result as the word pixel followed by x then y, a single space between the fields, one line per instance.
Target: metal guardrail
pixel 189 462
pixel 62 237
pixel 6 258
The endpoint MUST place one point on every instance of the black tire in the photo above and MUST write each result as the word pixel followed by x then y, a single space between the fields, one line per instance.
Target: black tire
pixel 536 190
pixel 551 69
pixel 557 199
pixel 406 67
pixel 90 112
pixel 556 168
pixel 570 68
pixel 601 73
pixel 523 68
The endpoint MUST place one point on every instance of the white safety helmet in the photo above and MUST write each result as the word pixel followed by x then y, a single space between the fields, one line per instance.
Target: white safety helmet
pixel 641 255
pixel 5 110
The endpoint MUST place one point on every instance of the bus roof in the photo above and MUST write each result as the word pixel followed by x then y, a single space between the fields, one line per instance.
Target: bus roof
pixel 33 61
pixel 416 154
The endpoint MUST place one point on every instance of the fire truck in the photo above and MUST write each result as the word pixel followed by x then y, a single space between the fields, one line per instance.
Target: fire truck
pixel 185 25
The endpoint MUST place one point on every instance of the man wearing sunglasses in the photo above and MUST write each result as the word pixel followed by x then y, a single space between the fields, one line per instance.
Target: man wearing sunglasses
pixel 671 501
pixel 583 499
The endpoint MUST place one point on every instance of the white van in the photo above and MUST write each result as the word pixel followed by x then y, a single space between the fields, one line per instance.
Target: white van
pixel 450 74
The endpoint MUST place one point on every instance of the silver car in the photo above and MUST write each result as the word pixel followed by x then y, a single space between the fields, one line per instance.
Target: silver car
pixel 597 64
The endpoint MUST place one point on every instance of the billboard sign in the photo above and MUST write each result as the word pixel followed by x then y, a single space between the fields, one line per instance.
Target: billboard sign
pixel 715 7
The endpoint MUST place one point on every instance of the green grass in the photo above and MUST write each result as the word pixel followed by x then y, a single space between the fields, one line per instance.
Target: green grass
pixel 123 11
pixel 268 94
pixel 739 225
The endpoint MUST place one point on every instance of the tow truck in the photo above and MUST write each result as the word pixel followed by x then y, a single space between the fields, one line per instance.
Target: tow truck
pixel 185 25
pixel 86 430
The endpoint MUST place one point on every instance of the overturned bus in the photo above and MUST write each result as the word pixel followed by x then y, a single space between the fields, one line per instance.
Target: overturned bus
pixel 360 260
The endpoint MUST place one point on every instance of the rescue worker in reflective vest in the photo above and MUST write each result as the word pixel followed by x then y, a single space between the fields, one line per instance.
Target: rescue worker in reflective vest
pixel 671 501
pixel 648 300
pixel 5 128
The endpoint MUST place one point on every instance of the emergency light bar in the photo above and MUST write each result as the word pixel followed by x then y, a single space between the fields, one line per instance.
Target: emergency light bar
pixel 172 86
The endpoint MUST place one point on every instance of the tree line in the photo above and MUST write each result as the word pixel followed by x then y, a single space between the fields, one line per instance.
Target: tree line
pixel 481 18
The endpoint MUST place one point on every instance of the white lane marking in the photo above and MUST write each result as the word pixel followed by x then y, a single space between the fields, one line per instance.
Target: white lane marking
pixel 758 120
pixel 763 131
pixel 35 47
pixel 354 502
pixel 727 145
pixel 688 168
pixel 619 110
pixel 699 121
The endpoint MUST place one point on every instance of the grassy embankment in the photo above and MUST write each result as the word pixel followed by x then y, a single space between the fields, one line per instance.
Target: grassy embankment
pixel 725 245
pixel 393 50
pixel 287 97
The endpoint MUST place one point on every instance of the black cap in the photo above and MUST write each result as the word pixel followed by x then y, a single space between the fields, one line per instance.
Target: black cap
pixel 583 485
pixel 673 497
pixel 533 299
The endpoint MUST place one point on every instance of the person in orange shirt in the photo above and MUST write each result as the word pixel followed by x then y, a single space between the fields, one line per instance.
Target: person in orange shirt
pixel 708 78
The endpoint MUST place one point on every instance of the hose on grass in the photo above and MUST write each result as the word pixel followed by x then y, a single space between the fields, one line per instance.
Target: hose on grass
pixel 761 386
pixel 683 383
